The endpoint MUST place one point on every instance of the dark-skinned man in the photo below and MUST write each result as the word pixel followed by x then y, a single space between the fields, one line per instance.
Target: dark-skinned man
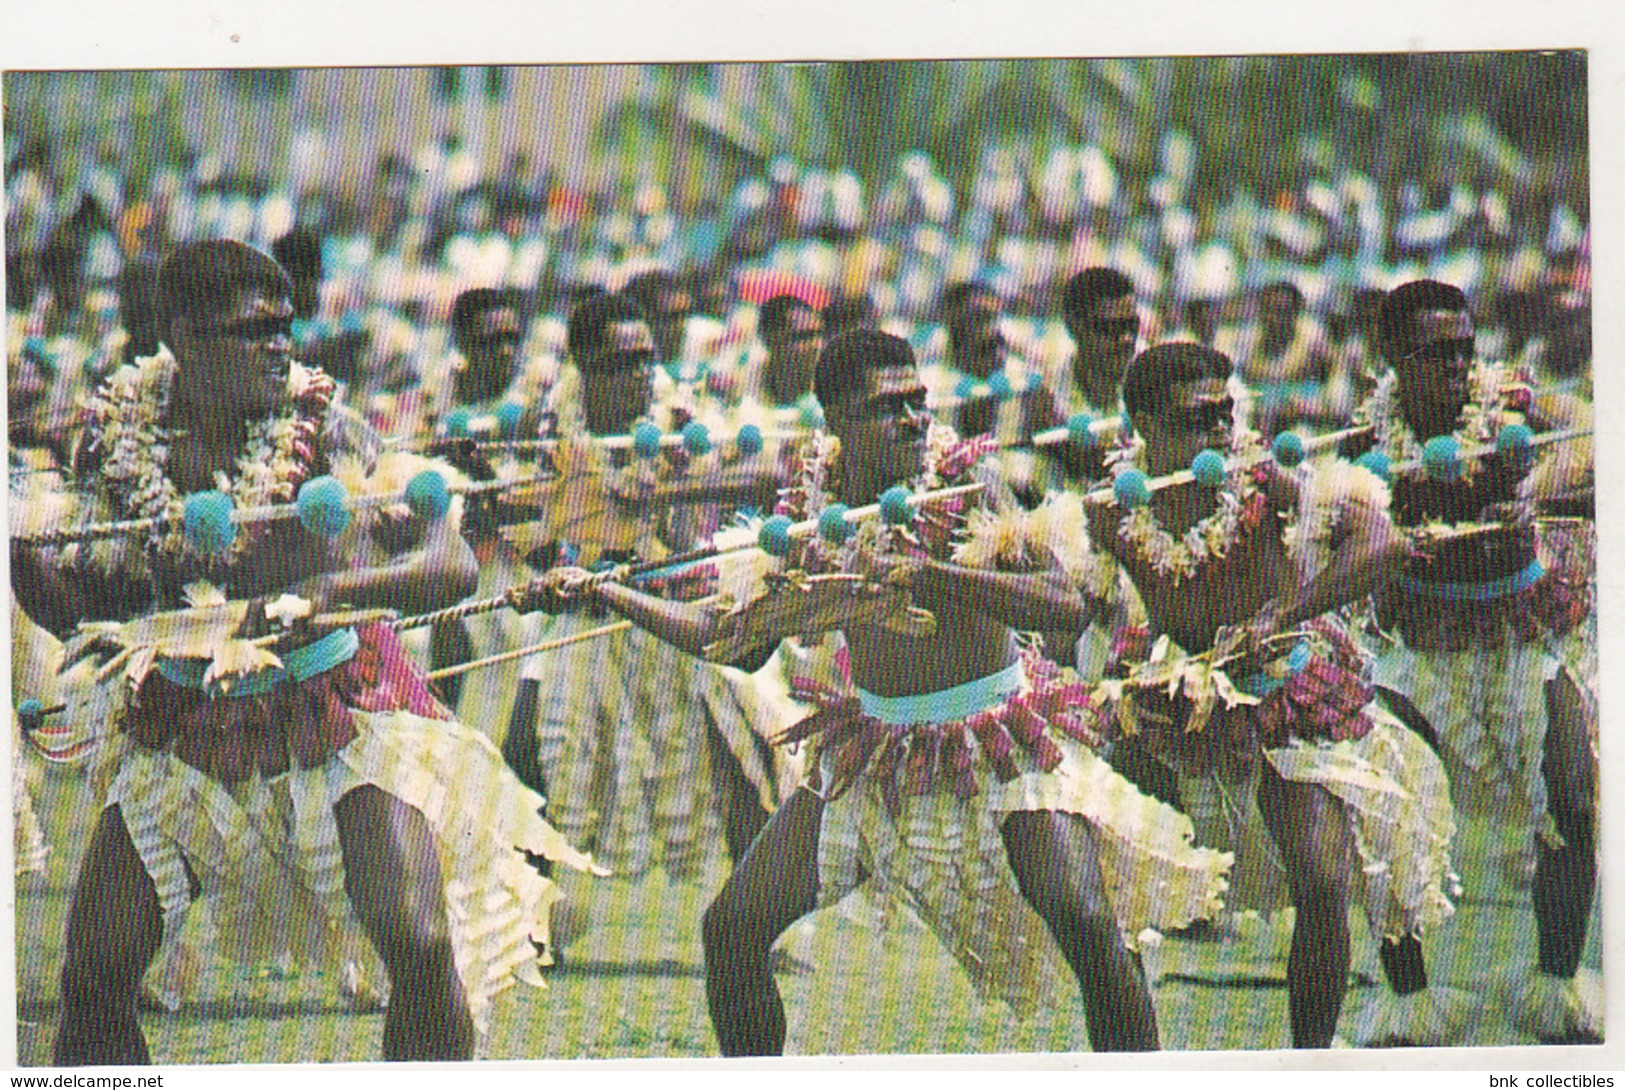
pixel 954 770
pixel 636 745
pixel 1488 644
pixel 303 782
pixel 1273 730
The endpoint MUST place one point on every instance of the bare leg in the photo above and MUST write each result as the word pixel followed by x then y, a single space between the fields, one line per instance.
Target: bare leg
pixel 392 874
pixel 449 645
pixel 115 925
pixel 1131 760
pixel 522 750
pixel 772 887
pixel 743 816
pixel 1409 714
pixel 1306 822
pixel 1057 867
pixel 1402 961
pixel 1565 878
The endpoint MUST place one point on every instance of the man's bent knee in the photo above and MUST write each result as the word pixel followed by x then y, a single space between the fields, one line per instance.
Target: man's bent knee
pixel 93 977
pixel 730 931
pixel 409 932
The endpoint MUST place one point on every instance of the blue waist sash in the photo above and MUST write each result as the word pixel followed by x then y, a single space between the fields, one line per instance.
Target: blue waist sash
pixel 1264 682
pixel 947 705
pixel 301 664
pixel 1486 591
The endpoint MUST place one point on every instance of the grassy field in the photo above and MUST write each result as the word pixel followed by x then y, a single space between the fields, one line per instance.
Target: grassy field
pixel 633 986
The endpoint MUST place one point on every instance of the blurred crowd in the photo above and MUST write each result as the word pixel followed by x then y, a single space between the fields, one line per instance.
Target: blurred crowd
pixel 1284 282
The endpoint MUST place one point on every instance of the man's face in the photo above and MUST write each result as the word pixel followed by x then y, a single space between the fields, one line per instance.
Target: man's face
pixel 239 357
pixel 615 379
pixel 973 327
pixel 882 429
pixel 490 353
pixel 1197 416
pixel 797 346
pixel 1434 357
pixel 1105 335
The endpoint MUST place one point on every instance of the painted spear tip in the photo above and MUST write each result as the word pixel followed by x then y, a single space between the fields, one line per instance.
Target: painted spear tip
pixel 832 524
pixel 696 438
pixel 1441 457
pixel 508 415
pixel 1377 462
pixel 1515 439
pixel 895 507
pixel 1208 467
pixel 774 536
pixel 645 440
pixel 1288 448
pixel 1080 429
pixel 31 714
pixel 1132 489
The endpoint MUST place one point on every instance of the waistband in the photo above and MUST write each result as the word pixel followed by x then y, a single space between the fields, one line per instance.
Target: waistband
pixel 1485 591
pixel 946 705
pixel 301 664
pixel 1277 673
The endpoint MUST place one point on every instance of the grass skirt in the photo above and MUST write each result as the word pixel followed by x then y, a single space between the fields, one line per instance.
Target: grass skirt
pixel 622 724
pixel 266 851
pixel 934 843
pixel 1478 671
pixel 1395 799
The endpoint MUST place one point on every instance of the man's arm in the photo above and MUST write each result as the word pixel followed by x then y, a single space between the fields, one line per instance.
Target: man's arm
pixel 684 625
pixel 58 593
pixel 1039 601
pixel 439 572
pixel 1367 551
pixel 687 626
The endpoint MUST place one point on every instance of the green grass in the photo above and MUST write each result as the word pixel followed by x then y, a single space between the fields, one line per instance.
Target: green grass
pixel 632 986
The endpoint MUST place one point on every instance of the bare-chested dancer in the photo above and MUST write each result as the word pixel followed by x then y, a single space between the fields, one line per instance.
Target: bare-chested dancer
pixel 1489 647
pixel 319 786
pixel 1213 565
pixel 956 771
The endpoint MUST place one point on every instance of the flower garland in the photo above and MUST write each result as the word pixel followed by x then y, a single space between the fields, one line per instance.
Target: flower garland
pixel 1487 408
pixel 815 475
pixel 125 417
pixel 948 461
pixel 1211 537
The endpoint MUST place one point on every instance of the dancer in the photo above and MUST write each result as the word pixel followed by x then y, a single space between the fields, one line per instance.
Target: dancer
pixel 271 755
pixel 1253 692
pixel 635 744
pixel 1488 645
pixel 956 772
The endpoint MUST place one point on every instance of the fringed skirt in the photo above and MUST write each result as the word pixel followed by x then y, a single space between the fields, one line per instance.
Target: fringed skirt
pixel 266 850
pixel 622 723
pixel 241 789
pixel 1476 660
pixel 916 791
pixel 1315 722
